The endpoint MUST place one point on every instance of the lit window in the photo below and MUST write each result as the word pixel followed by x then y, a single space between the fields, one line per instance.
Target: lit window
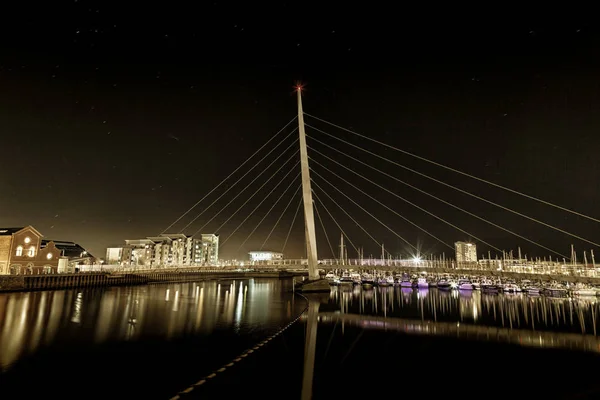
pixel 19 251
pixel 49 256
pixel 27 240
pixel 31 252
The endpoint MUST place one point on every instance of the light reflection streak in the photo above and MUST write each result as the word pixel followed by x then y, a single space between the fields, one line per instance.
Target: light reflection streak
pixel 542 339
pixel 32 320
pixel 77 309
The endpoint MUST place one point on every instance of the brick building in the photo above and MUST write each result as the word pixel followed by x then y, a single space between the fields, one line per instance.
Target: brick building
pixel 21 252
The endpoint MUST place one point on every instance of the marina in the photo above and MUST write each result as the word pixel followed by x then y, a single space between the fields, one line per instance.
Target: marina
pixel 464 283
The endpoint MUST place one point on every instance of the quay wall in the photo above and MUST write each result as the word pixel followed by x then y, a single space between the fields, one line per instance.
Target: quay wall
pixel 18 283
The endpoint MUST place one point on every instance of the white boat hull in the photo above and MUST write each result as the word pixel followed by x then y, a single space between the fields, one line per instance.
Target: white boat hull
pixel 584 292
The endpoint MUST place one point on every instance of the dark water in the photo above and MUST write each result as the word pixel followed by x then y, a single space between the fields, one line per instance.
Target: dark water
pixel 154 341
pixel 147 341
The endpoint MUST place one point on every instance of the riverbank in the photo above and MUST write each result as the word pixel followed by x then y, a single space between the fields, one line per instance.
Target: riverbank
pixel 20 283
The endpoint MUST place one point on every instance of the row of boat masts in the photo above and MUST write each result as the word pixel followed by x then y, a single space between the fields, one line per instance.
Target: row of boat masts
pixel 508 259
pixel 449 282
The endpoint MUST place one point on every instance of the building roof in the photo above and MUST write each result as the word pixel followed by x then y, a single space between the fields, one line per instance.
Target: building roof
pixel 175 235
pixel 68 249
pixel 138 242
pixel 9 231
pixel 159 239
pixel 12 231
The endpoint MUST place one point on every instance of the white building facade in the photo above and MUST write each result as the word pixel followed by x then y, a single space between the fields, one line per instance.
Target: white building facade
pixel 264 256
pixel 166 250
pixel 465 252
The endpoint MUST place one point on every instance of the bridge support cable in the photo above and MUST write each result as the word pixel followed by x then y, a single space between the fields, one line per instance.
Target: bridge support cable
pixel 242 177
pixel 353 220
pixel 401 198
pixel 379 202
pixel 291 225
pixel 251 182
pixel 432 196
pixel 362 208
pixel 270 209
pixel 334 220
pixel 324 231
pixel 460 190
pixel 254 194
pixel 458 171
pixel 229 176
pixel 280 216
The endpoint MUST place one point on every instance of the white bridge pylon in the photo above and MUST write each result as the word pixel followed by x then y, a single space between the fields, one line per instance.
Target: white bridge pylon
pixel 309 215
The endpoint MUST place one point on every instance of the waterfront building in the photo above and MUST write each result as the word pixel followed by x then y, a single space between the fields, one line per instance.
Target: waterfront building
pixel 210 249
pixel 465 252
pixel 174 249
pixel 73 254
pixel 265 256
pixel 21 252
pixel 116 255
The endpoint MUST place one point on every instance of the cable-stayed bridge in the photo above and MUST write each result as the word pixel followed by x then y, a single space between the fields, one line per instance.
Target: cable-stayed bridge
pixel 315 181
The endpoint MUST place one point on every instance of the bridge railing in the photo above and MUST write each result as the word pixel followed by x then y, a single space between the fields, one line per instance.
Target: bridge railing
pixel 552 268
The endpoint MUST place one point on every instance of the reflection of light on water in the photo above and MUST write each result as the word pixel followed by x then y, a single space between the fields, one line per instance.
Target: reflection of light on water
pixel 36 336
pixel 239 305
pixel 509 310
pixel 199 308
pixel 106 317
pixel 77 308
pixel 28 320
pixel 571 341
pixel 17 311
pixel 176 301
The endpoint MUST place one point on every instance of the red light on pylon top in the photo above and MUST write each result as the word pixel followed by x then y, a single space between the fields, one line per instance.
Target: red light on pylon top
pixel 299 87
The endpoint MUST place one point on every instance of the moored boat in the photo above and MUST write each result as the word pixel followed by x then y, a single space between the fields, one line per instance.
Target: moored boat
pixel 383 282
pixel 422 283
pixel 346 279
pixel 490 287
pixel 405 281
pixel 511 287
pixel 555 290
pixel 465 284
pixel 583 290
pixel 367 280
pixel 444 284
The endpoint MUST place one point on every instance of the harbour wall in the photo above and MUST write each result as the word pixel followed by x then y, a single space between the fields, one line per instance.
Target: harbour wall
pixel 19 283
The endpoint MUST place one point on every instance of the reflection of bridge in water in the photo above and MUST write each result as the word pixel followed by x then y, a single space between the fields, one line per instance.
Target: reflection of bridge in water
pixel 537 322
pixel 522 337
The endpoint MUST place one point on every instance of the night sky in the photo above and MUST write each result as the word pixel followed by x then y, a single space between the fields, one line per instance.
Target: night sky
pixel 116 118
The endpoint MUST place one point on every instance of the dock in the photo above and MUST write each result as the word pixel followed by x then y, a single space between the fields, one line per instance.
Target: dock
pixel 19 283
